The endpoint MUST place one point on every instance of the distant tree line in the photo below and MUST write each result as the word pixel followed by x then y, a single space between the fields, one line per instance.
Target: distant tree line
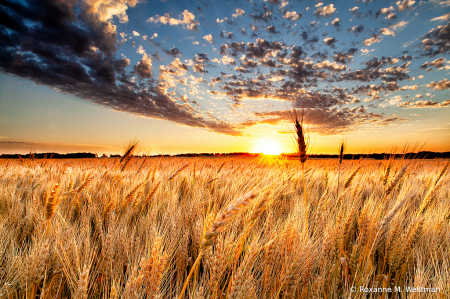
pixel 382 156
pixel 49 156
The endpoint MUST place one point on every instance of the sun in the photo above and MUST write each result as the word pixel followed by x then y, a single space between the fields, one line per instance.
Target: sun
pixel 268 147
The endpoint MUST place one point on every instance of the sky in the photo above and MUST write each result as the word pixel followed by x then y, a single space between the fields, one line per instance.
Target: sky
pixel 221 76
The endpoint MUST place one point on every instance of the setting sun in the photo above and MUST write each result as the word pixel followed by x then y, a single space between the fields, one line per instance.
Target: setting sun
pixel 268 147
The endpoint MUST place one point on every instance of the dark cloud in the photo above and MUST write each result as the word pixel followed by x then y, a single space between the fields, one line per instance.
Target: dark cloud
pixel 241 69
pixel 438 63
pixel 143 68
pixel 201 57
pixel 406 57
pixel 265 15
pixel 216 80
pixel 342 57
pixel 305 35
pixel 226 35
pixel 356 29
pixel 272 30
pixel 329 121
pixel 262 48
pixel 437 41
pixel 199 68
pixel 367 74
pixel 268 62
pixel 173 52
pixel 249 63
pixel 72 47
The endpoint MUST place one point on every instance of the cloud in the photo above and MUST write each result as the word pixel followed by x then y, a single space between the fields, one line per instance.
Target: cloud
pixel 374 71
pixel 144 67
pixel 209 38
pixel 226 35
pixel 356 29
pixel 265 15
pixel 399 25
pixel 173 52
pixel 424 104
pixel 249 63
pixel 221 21
pixel 445 17
pixel 405 4
pixel 387 31
pixel 140 50
pixel 330 121
pixel 82 58
pixel 437 41
pixel 442 3
pixel 413 87
pixel 438 63
pixel 385 11
pixel 395 100
pixel 73 49
pixel 331 66
pixel 187 22
pixel 228 60
pixel 440 85
pixel 105 10
pixel 325 11
pixel 391 16
pixel 199 68
pixel 329 41
pixel 272 30
pixel 239 13
pixel 374 39
pixel 342 57
pixel 292 15
pixel 336 22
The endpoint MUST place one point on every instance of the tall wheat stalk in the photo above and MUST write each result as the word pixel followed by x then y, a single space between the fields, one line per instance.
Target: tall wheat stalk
pixel 342 147
pixel 302 146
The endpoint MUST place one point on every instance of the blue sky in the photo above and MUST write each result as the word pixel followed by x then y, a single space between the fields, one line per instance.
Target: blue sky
pixel 186 76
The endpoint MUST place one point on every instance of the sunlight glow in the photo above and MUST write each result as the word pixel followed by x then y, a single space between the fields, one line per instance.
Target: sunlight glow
pixel 268 147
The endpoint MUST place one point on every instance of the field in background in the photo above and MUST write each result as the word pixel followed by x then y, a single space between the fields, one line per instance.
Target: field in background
pixel 101 228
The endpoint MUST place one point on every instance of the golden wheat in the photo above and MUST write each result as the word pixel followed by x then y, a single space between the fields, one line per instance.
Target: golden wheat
pixel 142 228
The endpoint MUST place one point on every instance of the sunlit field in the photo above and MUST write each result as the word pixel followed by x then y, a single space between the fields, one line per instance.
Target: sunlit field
pixel 223 228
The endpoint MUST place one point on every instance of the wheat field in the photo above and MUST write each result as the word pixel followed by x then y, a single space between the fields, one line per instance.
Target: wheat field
pixel 223 228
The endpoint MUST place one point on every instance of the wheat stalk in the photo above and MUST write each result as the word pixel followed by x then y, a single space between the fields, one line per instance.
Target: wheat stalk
pixel 395 180
pixel 173 175
pixel 52 202
pixel 215 228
